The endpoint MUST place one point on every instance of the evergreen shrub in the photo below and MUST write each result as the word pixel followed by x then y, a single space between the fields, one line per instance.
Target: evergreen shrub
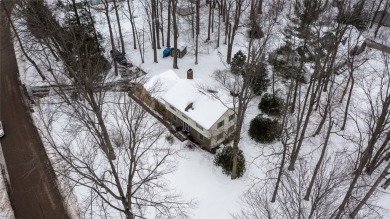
pixel 271 105
pixel 260 80
pixel 225 160
pixel 264 130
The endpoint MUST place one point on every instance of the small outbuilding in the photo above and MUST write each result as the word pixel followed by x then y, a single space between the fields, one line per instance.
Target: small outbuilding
pixel 181 50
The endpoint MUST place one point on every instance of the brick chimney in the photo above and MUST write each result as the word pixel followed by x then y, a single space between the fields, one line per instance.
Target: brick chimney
pixel 190 74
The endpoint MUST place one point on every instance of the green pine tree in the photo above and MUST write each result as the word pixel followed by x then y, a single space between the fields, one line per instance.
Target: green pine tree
pixel 89 47
pixel 238 63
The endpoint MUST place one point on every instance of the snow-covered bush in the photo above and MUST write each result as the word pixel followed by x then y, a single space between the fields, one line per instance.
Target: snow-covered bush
pixel 225 160
pixel 271 105
pixel 264 130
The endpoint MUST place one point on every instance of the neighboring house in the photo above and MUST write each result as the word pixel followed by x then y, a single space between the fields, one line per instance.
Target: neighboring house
pixel 204 119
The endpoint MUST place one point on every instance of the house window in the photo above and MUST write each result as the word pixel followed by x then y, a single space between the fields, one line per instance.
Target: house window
pixel 231 117
pixel 231 129
pixel 200 127
pixel 172 107
pixel 220 136
pixel 201 138
pixel 174 117
pixel 184 116
pixel 220 124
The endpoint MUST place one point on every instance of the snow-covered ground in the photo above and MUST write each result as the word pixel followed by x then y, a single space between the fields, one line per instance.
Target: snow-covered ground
pixel 196 177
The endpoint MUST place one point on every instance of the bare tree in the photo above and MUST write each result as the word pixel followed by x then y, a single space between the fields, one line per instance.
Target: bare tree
pixel 372 134
pixel 289 204
pixel 107 14
pixel 131 18
pixel 197 30
pixel 239 7
pixel 118 21
pixel 239 81
pixel 154 30
pixel 108 144
pixel 132 184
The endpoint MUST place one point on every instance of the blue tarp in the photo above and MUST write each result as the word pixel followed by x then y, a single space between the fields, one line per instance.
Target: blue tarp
pixel 167 52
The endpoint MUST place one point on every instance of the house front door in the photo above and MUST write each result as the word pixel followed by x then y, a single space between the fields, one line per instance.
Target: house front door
pixel 187 128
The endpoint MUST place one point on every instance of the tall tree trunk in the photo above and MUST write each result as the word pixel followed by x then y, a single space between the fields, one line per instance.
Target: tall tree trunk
pixel 76 13
pixel 366 155
pixel 319 163
pixel 237 18
pixel 106 12
pixel 162 24
pixel 212 16
pixel 381 19
pixel 298 142
pixel 345 90
pixel 133 27
pixel 169 25
pixel 376 12
pixel 227 22
pixel 157 23
pixel 348 100
pixel 197 6
pixel 384 173
pixel 284 142
pixel 260 7
pixel 175 33
pixel 237 138
pixel 219 26
pixel 380 156
pixel 118 20
pixel 209 23
pixel 154 43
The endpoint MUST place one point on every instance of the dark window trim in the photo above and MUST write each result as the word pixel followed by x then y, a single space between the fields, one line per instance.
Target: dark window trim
pixel 220 136
pixel 201 137
pixel 199 126
pixel 221 124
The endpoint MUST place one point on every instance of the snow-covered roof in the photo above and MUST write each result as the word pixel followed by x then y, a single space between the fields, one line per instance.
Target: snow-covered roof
pixel 161 83
pixel 180 93
pixel 195 103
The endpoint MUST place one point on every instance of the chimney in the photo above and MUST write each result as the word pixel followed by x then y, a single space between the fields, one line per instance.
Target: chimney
pixel 190 74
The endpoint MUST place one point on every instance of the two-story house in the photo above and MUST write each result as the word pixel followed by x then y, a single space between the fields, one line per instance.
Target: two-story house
pixel 195 111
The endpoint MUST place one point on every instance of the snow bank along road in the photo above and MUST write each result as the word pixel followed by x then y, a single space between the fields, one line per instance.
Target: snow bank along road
pixel 33 188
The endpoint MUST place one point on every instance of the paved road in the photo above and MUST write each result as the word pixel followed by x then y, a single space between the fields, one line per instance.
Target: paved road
pixel 34 194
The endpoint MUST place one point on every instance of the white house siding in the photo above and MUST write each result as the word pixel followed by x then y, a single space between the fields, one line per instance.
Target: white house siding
pixel 215 131
pixel 189 121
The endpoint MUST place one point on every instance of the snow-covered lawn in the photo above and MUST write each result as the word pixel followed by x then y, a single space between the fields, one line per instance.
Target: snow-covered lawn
pixel 196 177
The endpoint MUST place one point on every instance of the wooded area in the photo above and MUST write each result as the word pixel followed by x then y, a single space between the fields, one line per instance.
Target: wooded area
pixel 327 153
